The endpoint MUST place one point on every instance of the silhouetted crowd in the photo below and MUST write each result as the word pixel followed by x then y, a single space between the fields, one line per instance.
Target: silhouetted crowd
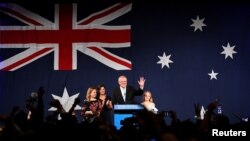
pixel 20 125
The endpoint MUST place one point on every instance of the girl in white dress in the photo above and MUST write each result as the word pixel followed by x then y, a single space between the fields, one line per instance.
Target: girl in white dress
pixel 148 103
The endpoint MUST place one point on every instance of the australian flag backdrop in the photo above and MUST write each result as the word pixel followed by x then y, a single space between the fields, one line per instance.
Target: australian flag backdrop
pixel 188 53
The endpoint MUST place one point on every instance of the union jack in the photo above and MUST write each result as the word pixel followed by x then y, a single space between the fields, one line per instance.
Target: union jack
pixel 65 36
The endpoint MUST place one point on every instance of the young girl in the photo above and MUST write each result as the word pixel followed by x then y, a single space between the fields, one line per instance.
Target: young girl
pixel 148 103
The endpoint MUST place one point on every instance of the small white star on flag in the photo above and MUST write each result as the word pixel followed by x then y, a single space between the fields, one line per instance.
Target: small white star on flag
pixel 228 51
pixel 213 75
pixel 198 23
pixel 164 60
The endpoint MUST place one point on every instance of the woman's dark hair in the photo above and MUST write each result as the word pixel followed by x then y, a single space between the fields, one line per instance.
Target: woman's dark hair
pixel 98 90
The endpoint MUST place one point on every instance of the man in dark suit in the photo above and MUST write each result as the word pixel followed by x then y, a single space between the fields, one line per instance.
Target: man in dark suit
pixel 125 94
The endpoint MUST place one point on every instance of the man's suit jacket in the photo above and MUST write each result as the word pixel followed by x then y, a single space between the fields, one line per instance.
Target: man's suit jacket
pixel 131 92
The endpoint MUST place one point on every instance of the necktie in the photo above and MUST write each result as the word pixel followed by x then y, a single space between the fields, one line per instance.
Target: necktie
pixel 124 94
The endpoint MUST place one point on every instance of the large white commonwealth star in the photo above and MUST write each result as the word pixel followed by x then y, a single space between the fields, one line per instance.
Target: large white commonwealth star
pixel 228 51
pixel 164 60
pixel 66 101
pixel 213 75
pixel 198 23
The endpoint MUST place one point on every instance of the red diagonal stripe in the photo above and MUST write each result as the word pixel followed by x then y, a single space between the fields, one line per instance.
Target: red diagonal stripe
pixel 24 60
pixel 103 14
pixel 117 60
pixel 20 16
